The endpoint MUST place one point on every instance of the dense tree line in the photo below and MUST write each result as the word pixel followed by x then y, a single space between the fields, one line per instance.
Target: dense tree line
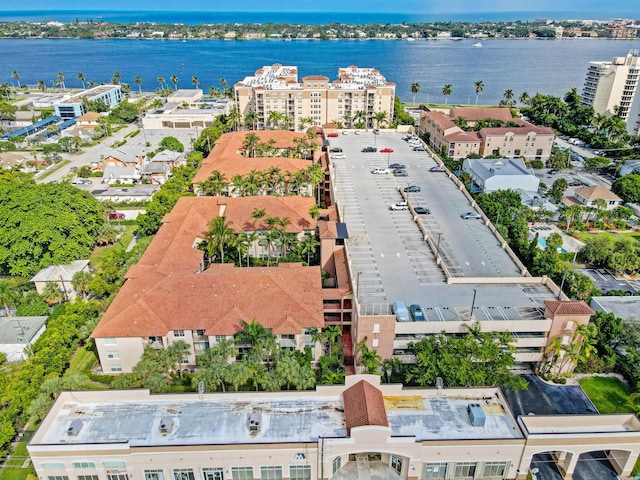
pixel 42 225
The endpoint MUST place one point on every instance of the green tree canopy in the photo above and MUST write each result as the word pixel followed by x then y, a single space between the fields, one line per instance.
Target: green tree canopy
pixel 172 143
pixel 42 225
pixel 628 188
pixel 125 112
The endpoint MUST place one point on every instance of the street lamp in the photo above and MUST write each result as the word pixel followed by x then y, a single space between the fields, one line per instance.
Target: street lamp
pixel 358 285
pixel 438 247
pixel 473 302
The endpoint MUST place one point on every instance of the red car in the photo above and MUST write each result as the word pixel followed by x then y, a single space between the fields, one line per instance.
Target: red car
pixel 386 150
pixel 332 135
pixel 116 216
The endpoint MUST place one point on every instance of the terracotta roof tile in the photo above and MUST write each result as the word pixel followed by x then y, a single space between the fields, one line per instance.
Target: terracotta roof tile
pixel 363 405
pixel 569 307
pixel 475 114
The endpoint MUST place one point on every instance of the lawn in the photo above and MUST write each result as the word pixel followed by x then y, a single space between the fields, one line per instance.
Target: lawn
pixel 58 166
pixel 81 362
pixel 606 393
pixel 13 469
pixel 123 240
pixel 582 236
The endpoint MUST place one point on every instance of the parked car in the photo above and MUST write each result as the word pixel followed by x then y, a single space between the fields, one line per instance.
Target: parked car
pixel 418 148
pixel 412 189
pixel 369 149
pixel 400 172
pixel 397 165
pixel 81 181
pixel 422 210
pixel 345 132
pixel 417 313
pixel 116 216
pixel 339 156
pixel 336 150
pixel 386 150
pixel 399 206
pixel 437 168
pixel 376 131
pixel 553 171
pixel 357 132
pixel 379 170
pixel 470 215
pixel 332 134
pixel 73 169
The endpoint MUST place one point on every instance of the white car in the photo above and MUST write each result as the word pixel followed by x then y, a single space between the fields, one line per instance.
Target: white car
pixel 357 132
pixel 399 206
pixel 379 171
pixel 338 156
pixel 345 132
pixel 470 215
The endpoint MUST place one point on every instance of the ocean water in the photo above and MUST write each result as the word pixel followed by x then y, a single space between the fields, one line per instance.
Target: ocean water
pixel 545 66
pixel 193 18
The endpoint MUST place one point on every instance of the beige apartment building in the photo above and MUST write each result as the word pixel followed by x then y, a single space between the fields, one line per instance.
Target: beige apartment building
pixel 610 88
pixel 354 431
pixel 354 98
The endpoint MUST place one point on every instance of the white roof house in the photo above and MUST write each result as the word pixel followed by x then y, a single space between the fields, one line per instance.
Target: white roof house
pixel 630 166
pixel 501 174
pixel 17 333
pixel 60 274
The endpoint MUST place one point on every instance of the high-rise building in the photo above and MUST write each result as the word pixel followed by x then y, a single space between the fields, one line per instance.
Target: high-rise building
pixel 610 88
pixel 356 99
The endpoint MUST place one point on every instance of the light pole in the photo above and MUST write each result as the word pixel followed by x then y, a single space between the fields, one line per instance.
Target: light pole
pixel 358 285
pixel 438 248
pixel 473 302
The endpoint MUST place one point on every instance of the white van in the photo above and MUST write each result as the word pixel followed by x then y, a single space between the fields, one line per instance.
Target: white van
pixel 402 314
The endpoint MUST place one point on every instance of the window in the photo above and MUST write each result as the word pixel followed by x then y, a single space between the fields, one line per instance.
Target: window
pixel 57 477
pixel 83 465
pixel 396 463
pixel 87 477
pixel 435 470
pixel 220 338
pixel 118 476
pixel 114 464
pixel 271 473
pixel 200 333
pixel 178 333
pixel 110 341
pixel 337 464
pixel 153 475
pixel 53 465
pixel 116 368
pixel 183 474
pixel 242 473
pixel 113 355
pixel 300 472
pixel 465 470
pixel 212 474
pixel 376 328
pixel 495 469
pixel 375 343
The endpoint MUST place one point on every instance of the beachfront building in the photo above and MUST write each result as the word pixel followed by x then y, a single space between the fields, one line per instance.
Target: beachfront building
pixel 186 108
pixel 610 88
pixel 74 106
pixel 277 98
pixel 363 429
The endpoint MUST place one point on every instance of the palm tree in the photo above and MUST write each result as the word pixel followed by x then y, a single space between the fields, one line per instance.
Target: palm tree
pixel 572 97
pixel 16 76
pixel 479 87
pixel 218 236
pixel 9 297
pixel 415 88
pixel 508 98
pixel 82 78
pixel 116 78
pixel 161 82
pixel 446 91
pixel 60 80
pixel 250 143
pixel 41 85
pixel 195 81
pixel 380 117
pixel 174 80
pixel 525 99
pixel 250 120
pixel 223 82
pixel 138 81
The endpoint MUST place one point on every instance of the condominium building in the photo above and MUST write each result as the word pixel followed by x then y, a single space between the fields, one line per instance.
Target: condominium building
pixel 355 98
pixel 610 88
pixel 75 105
pixel 354 431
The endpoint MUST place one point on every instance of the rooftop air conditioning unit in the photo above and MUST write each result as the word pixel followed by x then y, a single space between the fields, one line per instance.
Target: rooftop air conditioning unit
pixel 255 419
pixel 476 414
pixel 166 424
pixel 74 428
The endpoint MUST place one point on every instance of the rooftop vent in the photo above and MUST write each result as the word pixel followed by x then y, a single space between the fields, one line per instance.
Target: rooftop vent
pixel 476 414
pixel 255 419
pixel 74 428
pixel 166 424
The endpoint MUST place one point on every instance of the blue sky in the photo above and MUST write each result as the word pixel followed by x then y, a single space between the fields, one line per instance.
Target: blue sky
pixel 397 6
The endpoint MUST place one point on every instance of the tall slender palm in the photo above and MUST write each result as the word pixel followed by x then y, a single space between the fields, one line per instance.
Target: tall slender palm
pixel 380 117
pixel 508 98
pixel 138 81
pixel 479 87
pixel 446 91
pixel 223 83
pixel 525 99
pixel 195 81
pixel 16 76
pixel 82 78
pixel 60 80
pixel 415 88
pixel 218 236
pixel 250 143
pixel 116 78
pixel 174 80
pixel 41 85
pixel 9 297
pixel 161 82
pixel 250 120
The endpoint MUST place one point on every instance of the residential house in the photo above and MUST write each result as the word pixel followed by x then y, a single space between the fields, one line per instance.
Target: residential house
pixel 501 174
pixel 60 275
pixel 157 169
pixel 18 333
pixel 587 195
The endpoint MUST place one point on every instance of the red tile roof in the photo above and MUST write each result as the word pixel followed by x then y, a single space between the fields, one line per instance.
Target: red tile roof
pixel 363 405
pixel 441 120
pixel 463 137
pixel 475 114
pixel 569 307
pixel 285 299
pixel 226 155
pixel 525 129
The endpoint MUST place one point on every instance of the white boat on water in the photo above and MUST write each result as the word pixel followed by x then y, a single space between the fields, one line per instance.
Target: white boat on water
pixel 477 45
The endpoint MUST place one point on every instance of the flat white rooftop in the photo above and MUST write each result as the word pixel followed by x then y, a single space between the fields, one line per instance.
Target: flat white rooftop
pixel 134 417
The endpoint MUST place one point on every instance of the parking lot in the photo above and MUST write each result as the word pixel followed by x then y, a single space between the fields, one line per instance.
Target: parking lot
pixel 390 257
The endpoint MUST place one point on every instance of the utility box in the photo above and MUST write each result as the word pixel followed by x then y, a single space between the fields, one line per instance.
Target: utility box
pixel 476 415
